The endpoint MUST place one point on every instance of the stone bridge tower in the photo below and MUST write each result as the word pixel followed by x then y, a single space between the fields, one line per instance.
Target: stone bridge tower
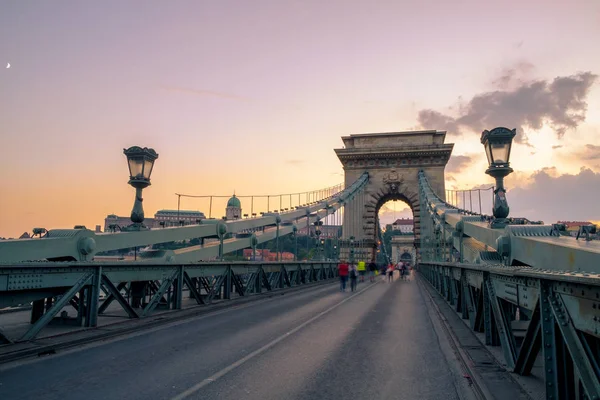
pixel 393 161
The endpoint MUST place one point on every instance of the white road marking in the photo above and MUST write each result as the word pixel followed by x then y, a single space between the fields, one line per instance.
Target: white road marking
pixel 255 353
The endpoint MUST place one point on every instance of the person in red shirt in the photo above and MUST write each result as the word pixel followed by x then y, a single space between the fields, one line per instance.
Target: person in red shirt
pixel 343 273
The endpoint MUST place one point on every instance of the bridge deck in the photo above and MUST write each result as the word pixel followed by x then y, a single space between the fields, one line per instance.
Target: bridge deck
pixel 319 343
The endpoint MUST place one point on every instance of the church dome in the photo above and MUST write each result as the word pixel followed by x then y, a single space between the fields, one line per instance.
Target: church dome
pixel 234 202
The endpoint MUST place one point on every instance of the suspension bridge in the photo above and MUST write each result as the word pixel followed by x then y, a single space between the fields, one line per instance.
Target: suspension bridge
pixel 498 307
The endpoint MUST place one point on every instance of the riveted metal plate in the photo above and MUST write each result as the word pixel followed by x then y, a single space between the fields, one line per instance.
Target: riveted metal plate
pixel 584 312
pixel 456 272
pixel 528 296
pixel 506 290
pixel 25 281
pixel 474 278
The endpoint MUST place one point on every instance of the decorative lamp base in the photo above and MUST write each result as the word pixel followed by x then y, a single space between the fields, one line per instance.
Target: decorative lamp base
pixel 135 227
pixel 499 223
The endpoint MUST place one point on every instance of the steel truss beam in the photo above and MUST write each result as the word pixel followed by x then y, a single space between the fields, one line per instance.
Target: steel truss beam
pixel 63 301
pixel 531 345
pixel 503 326
pixel 4 338
pixel 561 314
pixel 574 345
pixel 79 285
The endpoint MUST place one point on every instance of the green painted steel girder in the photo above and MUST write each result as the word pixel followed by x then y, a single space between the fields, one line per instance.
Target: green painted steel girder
pixel 533 245
pixel 82 244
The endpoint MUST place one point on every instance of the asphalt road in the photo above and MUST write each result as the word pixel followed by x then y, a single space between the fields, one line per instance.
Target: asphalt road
pixel 377 343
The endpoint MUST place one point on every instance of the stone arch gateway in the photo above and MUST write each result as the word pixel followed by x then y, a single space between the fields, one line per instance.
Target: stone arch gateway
pixel 393 161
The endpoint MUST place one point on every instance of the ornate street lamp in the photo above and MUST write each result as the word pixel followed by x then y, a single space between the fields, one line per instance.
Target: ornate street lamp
pixel 318 224
pixel 295 233
pixel 141 162
pixel 497 143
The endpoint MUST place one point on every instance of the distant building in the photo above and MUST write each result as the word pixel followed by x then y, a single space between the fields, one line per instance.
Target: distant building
pixel 25 235
pixel 573 226
pixel 233 209
pixel 327 231
pixel 173 217
pixel 115 220
pixel 266 255
pixel 404 225
pixel 162 218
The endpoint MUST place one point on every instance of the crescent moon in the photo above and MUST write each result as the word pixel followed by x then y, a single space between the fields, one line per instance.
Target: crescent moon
pixel 7 65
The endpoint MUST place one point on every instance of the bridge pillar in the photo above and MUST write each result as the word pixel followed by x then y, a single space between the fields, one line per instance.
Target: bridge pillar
pixel 393 161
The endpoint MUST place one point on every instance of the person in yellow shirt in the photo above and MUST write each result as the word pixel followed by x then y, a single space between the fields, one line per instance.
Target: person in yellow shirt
pixel 362 270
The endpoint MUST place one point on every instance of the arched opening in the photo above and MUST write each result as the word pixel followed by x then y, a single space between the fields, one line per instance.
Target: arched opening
pixel 406 258
pixel 396 228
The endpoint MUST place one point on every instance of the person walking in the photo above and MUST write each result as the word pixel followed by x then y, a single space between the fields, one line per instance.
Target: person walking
pixel 353 277
pixel 343 273
pixel 383 272
pixel 390 272
pixel 372 269
pixel 403 271
pixel 362 270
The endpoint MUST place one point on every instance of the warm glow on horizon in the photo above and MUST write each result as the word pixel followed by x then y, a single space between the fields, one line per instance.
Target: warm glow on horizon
pixel 256 100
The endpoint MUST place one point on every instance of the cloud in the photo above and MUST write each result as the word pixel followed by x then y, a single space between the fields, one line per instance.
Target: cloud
pixel 587 156
pixel 560 103
pixel 515 76
pixel 590 152
pixel 388 215
pixel 545 195
pixel 552 198
pixel 458 163
pixel 202 92
pixel 295 162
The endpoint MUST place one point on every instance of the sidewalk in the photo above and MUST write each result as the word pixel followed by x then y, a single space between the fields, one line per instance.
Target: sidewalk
pixel 486 363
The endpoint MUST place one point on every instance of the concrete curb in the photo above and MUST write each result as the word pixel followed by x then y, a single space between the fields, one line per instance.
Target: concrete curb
pixel 39 348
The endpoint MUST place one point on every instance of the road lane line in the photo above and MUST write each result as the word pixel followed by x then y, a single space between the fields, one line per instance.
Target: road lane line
pixel 266 347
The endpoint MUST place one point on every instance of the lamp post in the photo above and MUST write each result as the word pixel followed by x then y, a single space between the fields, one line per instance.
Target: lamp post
pixel 351 249
pixel 498 143
pixel 141 162
pixel 277 222
pixel 318 224
pixel 322 249
pixel 295 233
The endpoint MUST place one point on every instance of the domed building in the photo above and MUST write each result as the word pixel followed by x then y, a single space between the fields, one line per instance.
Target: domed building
pixel 234 208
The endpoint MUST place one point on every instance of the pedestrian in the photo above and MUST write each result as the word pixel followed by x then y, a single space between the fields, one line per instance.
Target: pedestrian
pixel 353 277
pixel 343 273
pixel 390 272
pixel 403 273
pixel 372 270
pixel 362 269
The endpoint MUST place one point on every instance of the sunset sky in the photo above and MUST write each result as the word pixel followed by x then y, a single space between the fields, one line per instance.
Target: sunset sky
pixel 253 96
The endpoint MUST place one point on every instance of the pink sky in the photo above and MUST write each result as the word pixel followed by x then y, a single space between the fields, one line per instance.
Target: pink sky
pixel 253 96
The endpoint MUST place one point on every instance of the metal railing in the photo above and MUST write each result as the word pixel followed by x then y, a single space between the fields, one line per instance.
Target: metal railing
pixel 536 316
pixel 531 291
pixel 446 230
pixel 139 289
